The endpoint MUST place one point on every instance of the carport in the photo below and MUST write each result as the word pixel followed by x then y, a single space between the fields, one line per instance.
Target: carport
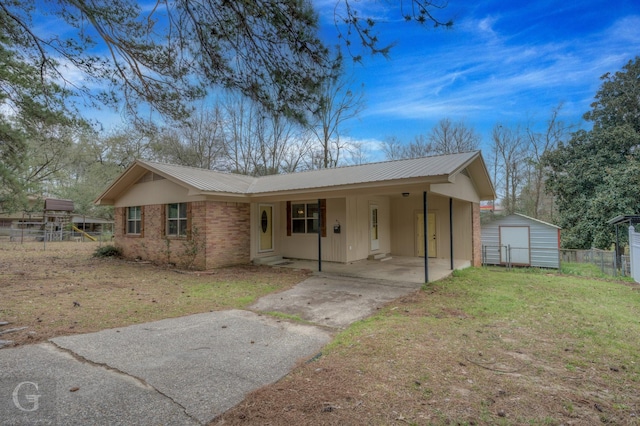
pixel 399 269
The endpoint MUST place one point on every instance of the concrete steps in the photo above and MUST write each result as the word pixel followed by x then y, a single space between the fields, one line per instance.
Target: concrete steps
pixel 271 261
pixel 381 257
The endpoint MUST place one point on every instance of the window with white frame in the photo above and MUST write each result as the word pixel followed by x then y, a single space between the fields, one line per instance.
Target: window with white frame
pixel 176 220
pixel 134 220
pixel 305 218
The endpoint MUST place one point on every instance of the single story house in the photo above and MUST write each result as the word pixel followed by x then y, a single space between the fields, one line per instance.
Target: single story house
pixel 208 219
pixel 521 240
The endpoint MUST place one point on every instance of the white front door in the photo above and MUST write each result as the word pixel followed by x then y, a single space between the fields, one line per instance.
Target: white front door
pixel 373 227
pixel 514 242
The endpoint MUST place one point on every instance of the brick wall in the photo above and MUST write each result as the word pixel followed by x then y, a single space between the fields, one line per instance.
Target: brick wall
pixel 228 230
pixel 220 236
pixel 476 235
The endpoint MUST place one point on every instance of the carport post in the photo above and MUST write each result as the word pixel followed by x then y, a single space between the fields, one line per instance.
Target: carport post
pixel 319 237
pixel 426 233
pixel 451 231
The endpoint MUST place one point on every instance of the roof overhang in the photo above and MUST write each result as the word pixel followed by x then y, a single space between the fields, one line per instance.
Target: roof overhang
pixel 386 187
pixel 477 169
pixel 127 178
pixel 133 174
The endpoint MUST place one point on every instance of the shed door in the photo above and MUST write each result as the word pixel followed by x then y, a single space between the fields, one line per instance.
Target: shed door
pixel 514 240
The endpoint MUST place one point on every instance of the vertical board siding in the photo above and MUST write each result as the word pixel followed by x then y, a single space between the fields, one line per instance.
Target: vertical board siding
pixel 543 241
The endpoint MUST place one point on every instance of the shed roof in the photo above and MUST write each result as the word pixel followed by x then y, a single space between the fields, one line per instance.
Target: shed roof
pixel 441 168
pixel 498 218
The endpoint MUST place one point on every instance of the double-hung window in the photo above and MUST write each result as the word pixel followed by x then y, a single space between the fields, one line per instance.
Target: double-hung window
pixel 305 218
pixel 134 220
pixel 176 220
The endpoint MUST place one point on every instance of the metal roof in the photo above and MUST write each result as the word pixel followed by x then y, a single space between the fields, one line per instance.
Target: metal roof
pixel 211 181
pixel 441 165
pixel 439 169
pixel 537 220
pixel 203 179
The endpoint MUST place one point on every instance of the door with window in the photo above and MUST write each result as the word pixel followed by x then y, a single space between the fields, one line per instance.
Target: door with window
pixel 374 232
pixel 265 227
pixel 431 236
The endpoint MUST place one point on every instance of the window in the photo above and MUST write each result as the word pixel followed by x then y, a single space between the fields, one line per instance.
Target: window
pixel 134 220
pixel 176 220
pixel 304 218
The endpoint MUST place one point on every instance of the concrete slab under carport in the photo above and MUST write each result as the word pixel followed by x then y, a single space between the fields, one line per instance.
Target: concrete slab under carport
pixel 399 269
pixel 334 301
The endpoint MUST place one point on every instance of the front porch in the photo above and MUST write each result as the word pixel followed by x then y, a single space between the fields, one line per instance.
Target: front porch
pixel 399 269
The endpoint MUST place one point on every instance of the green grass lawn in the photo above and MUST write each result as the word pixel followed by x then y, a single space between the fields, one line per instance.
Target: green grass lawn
pixel 486 346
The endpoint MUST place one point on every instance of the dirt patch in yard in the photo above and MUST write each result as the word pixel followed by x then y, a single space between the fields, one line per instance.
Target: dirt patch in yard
pixel 63 290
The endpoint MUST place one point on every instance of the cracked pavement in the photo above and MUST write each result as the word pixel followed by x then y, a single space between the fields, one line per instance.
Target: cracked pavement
pixel 183 371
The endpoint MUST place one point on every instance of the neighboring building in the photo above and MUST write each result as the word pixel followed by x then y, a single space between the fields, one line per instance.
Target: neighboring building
pixel 55 215
pixel 175 214
pixel 520 240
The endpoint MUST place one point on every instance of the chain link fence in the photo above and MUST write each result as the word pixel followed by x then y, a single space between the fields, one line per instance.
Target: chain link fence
pixel 605 260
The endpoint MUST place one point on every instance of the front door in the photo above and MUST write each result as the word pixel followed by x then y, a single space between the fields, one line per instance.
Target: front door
pixel 373 226
pixel 431 237
pixel 266 227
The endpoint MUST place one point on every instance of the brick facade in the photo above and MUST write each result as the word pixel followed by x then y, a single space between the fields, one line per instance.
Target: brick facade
pixel 220 236
pixel 476 235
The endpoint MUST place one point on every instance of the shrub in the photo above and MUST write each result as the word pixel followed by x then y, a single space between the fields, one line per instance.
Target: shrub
pixel 107 251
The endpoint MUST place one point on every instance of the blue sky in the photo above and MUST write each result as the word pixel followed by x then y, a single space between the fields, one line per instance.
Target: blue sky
pixel 506 62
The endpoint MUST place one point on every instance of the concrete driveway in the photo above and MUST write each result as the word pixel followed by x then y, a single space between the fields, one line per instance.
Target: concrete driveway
pixel 334 301
pixel 184 370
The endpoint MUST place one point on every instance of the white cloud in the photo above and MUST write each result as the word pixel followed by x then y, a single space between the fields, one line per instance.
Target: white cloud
pixel 484 71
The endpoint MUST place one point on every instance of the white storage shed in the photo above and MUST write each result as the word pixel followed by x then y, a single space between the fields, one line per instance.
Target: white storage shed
pixel 520 240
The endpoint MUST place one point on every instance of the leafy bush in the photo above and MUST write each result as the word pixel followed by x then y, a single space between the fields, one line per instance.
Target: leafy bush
pixel 107 251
